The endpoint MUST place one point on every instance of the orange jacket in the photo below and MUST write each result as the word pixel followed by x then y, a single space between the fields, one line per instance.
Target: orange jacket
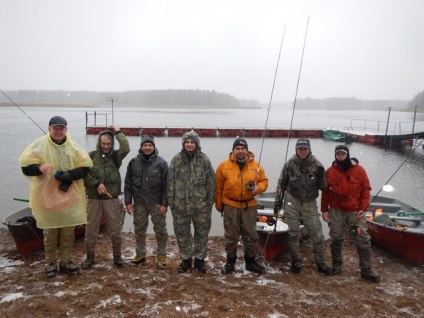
pixel 231 182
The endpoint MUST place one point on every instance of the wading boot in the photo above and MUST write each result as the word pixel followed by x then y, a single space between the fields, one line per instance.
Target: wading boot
pixel 161 262
pixel 51 270
pixel 88 262
pixel 138 259
pixel 337 268
pixel 118 261
pixel 296 267
pixel 229 266
pixel 253 266
pixel 199 264
pixel 185 265
pixel 368 274
pixel 322 268
pixel 69 267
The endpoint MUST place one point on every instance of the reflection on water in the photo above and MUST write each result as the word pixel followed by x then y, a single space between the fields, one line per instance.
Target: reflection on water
pixel 406 178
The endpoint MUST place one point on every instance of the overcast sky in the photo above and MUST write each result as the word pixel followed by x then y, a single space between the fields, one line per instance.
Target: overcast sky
pixel 369 49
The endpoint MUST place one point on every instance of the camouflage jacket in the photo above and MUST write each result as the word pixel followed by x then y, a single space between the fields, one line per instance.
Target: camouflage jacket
pixel 191 182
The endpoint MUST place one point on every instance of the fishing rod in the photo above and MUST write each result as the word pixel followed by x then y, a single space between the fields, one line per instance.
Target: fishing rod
pixel 266 121
pixel 22 111
pixel 297 89
pixel 295 100
pixel 291 124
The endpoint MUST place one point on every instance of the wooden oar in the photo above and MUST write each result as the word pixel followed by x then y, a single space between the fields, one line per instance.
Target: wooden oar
pixel 22 200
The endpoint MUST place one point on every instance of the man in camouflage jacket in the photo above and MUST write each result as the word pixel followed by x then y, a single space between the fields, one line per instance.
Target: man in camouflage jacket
pixel 191 194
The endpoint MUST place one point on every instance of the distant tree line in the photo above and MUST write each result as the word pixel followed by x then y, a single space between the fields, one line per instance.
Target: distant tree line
pixel 350 103
pixel 141 98
pixel 418 101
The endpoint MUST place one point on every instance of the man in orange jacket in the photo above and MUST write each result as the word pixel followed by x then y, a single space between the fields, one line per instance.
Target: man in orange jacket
pixel 238 179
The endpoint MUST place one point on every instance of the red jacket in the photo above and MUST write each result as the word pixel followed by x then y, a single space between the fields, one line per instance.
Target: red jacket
pixel 348 190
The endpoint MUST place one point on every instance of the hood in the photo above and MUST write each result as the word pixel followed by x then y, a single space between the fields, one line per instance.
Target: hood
pixel 106 132
pixel 191 135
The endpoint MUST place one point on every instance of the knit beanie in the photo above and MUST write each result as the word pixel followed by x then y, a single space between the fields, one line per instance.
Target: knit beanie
pixel 147 139
pixel 240 142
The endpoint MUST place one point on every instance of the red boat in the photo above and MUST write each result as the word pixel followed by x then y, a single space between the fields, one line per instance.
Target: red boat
pixel 272 232
pixel 27 236
pixel 399 229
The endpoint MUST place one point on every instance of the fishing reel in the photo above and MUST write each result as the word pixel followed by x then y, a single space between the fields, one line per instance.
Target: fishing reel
pixel 355 230
pixel 271 221
pixel 250 185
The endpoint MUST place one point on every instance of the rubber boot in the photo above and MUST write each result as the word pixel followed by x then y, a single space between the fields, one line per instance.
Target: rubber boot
pixel 336 255
pixel 229 266
pixel 253 266
pixel 185 265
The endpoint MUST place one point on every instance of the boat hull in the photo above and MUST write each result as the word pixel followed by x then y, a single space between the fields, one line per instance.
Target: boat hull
pixel 272 245
pixel 27 236
pixel 407 242
pixel 334 135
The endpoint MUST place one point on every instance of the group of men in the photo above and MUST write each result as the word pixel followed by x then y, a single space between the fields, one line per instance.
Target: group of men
pixel 70 187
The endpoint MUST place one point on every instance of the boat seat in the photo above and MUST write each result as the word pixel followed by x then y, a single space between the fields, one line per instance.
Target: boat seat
pixel 385 207
pixel 267 202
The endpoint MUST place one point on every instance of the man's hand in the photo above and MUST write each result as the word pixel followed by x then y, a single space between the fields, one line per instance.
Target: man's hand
pixel 325 216
pixel 163 209
pixel 255 191
pixel 45 168
pixel 115 129
pixel 130 209
pixel 101 189
pixel 360 214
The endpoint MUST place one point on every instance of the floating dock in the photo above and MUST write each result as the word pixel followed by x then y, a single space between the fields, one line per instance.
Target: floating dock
pixel 212 132
pixel 387 141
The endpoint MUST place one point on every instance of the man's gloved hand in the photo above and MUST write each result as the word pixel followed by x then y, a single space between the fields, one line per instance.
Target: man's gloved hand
pixel 64 186
pixel 63 176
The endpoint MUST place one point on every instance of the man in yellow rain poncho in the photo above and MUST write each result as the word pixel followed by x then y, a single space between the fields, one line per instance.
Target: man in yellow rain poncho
pixel 55 165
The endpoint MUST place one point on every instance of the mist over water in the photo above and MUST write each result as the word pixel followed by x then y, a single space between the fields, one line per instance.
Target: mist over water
pixel 17 131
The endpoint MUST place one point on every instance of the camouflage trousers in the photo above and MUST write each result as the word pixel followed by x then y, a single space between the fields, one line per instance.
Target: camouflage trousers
pixel 141 222
pixel 339 223
pixel 63 237
pixel 189 245
pixel 97 211
pixel 307 212
pixel 240 222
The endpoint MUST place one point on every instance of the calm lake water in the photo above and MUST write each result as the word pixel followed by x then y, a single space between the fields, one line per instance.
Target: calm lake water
pixel 17 131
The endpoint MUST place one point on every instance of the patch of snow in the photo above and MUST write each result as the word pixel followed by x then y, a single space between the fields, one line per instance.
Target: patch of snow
pixel 147 292
pixel 114 300
pixel 11 297
pixel 59 294
pixel 5 262
pixel 276 315
pixel 264 282
pixel 187 309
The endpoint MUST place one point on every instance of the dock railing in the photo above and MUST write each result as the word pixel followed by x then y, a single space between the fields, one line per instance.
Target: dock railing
pixel 93 116
pixel 377 126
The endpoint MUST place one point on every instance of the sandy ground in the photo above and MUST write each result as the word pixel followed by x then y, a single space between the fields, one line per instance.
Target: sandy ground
pixel 145 291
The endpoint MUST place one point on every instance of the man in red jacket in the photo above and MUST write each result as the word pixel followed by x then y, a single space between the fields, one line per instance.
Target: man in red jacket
pixel 343 206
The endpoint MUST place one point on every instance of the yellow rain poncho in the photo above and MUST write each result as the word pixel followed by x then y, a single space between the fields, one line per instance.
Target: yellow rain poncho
pixel 51 207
